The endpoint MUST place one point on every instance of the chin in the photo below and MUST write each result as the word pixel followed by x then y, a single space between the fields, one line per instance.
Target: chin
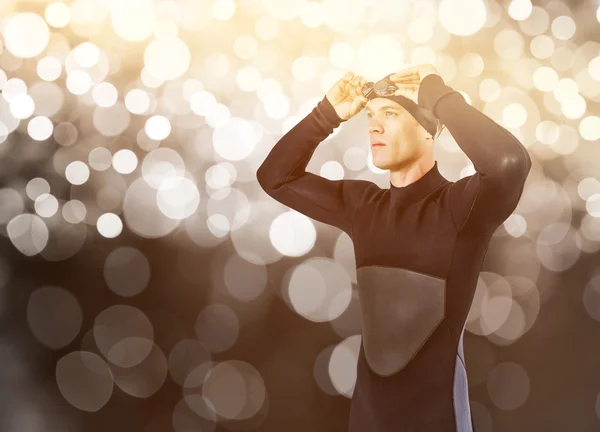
pixel 380 165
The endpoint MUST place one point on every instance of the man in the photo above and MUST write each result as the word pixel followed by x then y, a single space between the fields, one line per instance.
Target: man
pixel 419 244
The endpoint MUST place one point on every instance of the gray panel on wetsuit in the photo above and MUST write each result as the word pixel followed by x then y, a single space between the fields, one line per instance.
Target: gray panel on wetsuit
pixel 462 409
pixel 400 310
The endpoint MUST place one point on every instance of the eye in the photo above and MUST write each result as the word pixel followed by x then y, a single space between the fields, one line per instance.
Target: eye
pixel 387 112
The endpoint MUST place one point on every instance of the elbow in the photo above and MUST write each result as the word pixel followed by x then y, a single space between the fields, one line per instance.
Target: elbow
pixel 262 177
pixel 516 166
pixel 267 179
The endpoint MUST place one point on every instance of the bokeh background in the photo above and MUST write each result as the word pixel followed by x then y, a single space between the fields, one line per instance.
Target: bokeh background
pixel 147 282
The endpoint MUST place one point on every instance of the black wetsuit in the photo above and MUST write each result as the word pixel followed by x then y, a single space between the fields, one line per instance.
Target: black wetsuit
pixel 418 250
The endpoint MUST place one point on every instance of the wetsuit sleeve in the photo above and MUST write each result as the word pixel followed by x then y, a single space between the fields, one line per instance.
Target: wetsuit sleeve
pixel 283 174
pixel 486 198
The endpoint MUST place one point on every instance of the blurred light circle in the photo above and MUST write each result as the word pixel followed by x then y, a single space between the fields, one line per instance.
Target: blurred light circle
pixel 321 371
pixel 320 289
pixel 54 316
pixel 248 78
pixel 589 128
pixel 142 214
pixel 158 127
pixel 150 80
pixel 134 20
pixel 124 335
pixel 85 380
pixel 547 132
pixel 304 68
pixel 591 297
pixel 452 17
pixel 185 419
pixel 74 211
pixel 178 197
pixel 220 116
pixel 36 187
pixel 508 386
pixel 77 173
pixel 3 132
pixel 145 378
pixel 184 357
pixel 202 102
pixel 105 94
pixel 12 204
pixel 234 390
pixel 22 106
pixel 223 9
pixel 40 128
pixel 124 161
pixel 46 205
pixel 28 43
pixel 126 271
pixel 79 82
pixel 563 27
pixel 482 419
pixel 167 58
pixel 28 233
pixel 109 225
pixel 137 101
pixel 111 121
pixel 244 280
pixel 292 233
pixel 313 14
pixel 245 46
pixel 217 327
pixel 100 159
pixel 266 27
pixel 58 14
pixel 509 44
pixel 542 46
pixel 12 88
pixel 65 134
pixel 593 66
pixel 162 164
pixel 86 54
pixel 545 78
pixel 519 9
pixel 342 365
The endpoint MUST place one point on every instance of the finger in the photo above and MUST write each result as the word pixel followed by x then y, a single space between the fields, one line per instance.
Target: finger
pixel 405 78
pixel 407 90
pixel 407 87
pixel 358 102
pixel 349 76
pixel 412 69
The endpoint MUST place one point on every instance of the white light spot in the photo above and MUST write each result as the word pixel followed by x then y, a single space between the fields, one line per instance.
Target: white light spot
pixel 109 225
pixel 77 173
pixel 158 127
pixel 40 128
pixel 46 205
pixel 26 34
pixel 124 161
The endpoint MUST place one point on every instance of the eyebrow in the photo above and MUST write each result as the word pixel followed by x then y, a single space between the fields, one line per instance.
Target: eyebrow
pixel 383 107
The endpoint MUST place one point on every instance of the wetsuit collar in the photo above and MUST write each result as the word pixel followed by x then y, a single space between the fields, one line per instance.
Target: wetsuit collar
pixel 417 189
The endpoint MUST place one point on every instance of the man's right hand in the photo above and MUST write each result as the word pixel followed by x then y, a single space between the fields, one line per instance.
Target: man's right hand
pixel 346 95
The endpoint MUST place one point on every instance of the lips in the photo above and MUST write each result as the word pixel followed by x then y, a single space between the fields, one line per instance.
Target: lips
pixel 377 144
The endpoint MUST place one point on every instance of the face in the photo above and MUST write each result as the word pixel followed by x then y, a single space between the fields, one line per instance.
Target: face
pixel 404 137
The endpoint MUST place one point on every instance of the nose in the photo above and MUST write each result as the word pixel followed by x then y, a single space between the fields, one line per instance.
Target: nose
pixel 374 125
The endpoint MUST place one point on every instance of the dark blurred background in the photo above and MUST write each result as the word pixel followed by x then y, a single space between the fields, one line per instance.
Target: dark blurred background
pixel 147 283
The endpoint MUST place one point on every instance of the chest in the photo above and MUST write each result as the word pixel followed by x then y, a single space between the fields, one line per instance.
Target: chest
pixel 420 237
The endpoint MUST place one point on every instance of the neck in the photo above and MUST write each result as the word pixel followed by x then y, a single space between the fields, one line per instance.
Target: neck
pixel 409 173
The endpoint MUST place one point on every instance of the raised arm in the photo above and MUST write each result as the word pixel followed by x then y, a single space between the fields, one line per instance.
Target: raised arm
pixel 486 198
pixel 283 173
